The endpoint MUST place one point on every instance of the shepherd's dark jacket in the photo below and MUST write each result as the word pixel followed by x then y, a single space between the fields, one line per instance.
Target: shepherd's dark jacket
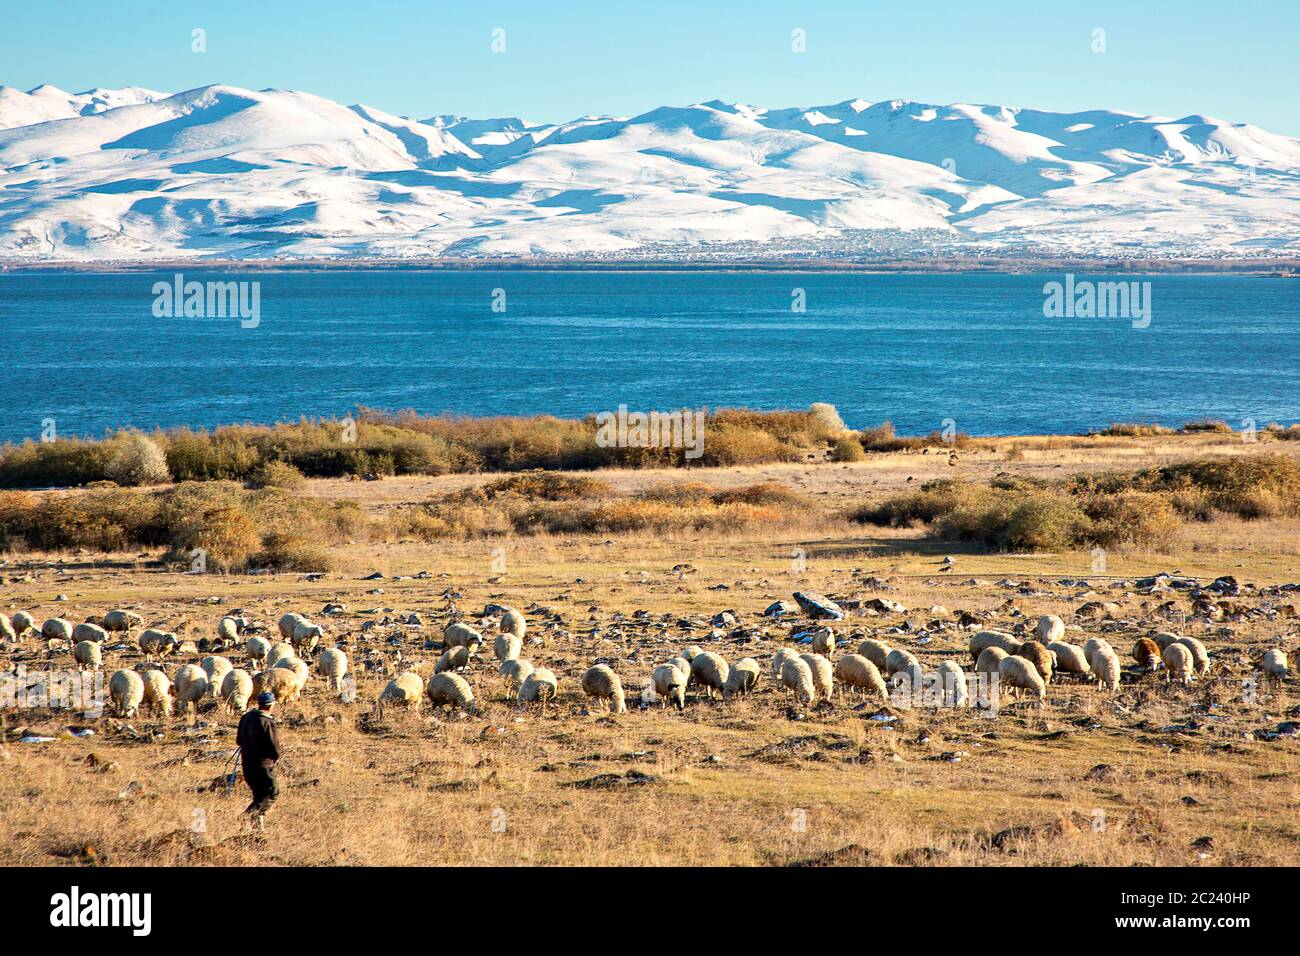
pixel 258 739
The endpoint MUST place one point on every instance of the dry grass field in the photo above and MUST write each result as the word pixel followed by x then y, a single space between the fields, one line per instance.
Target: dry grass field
pixel 1154 774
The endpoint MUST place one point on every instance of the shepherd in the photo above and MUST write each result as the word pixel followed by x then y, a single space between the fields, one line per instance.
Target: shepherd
pixel 259 744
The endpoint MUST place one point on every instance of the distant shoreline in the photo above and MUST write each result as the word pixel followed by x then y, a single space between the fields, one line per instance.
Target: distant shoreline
pixel 1273 267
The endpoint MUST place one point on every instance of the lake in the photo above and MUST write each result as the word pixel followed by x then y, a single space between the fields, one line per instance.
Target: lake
pixel 88 351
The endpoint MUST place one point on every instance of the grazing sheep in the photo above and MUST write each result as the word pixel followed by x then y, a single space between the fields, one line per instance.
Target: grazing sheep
pixel 1000 639
pixel 236 689
pixel 451 690
pixel 155 643
pixel 710 671
pixel 875 651
pixel 1163 639
pixel 602 683
pixel 1275 664
pixel 539 687
pixel 670 684
pixel 1039 656
pixel 683 665
pixel 57 629
pixel 1069 658
pixel 782 655
pixel 462 635
pixel 216 668
pixel 1200 656
pixel 119 620
pixel 901 660
pixel 280 681
pixel 952 682
pixel 296 666
pixel 189 685
pixel 823 677
pixel 515 670
pixel 278 652
pixel 406 689
pixel 512 622
pixel 89 632
pixel 333 666
pixel 1178 663
pixel 157 692
pixel 797 676
pixel 228 630
pixel 1104 663
pixel 743 677
pixel 1147 653
pixel 126 691
pixel 1095 644
pixel 300 632
pixel 257 648
pixel 1048 629
pixel 88 656
pixel 1020 673
pixel 7 632
pixel 859 674
pixel 23 622
pixel 823 642
pixel 452 659
pixel 507 646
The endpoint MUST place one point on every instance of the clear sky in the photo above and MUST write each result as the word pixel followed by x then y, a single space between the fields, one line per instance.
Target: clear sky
pixel 1238 61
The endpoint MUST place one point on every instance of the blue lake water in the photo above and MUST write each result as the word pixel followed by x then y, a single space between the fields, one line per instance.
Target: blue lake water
pixel 88 351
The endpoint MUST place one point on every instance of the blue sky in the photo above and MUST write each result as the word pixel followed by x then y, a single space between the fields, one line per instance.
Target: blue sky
pixel 570 57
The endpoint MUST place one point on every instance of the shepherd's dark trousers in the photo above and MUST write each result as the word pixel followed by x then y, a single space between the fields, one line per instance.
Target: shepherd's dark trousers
pixel 261 780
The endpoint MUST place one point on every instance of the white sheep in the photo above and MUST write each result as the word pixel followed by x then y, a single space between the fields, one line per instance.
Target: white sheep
pixel 1069 657
pixel 452 659
pixel 7 632
pixel 1021 674
pixel 228 630
pixel 278 652
pixel 333 666
pixel 237 689
pixel 797 676
pixel 601 683
pixel 189 685
pixel 1095 644
pixel 257 648
pixel 515 670
pixel 216 667
pixel 89 632
pixel 512 622
pixel 952 683
pixel 23 622
pixel 157 692
pixel 539 687
pixel 1049 628
pixel 670 684
pixel 406 689
pixel 1275 663
pixel 742 678
pixel 1104 663
pixel 859 674
pixel 1200 656
pixel 507 646
pixel 782 655
pixel 710 671
pixel 300 632
pixel 156 643
pixel 1164 639
pixel 296 666
pixel 451 690
pixel 57 629
pixel 823 676
pixel 1000 639
pixel 990 660
pixel 87 655
pixel 875 651
pixel 460 634
pixel 1178 663
pixel 120 620
pixel 126 691
pixel 823 642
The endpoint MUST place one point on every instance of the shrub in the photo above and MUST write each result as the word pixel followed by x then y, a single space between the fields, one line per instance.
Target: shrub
pixel 847 448
pixel 137 460
pixel 1208 425
pixel 1135 430
pixel 277 474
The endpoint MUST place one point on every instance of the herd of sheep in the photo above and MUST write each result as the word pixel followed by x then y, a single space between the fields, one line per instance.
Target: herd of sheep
pixel 1020 666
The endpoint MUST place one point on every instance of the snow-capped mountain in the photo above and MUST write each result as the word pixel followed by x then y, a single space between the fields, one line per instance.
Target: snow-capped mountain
pixel 222 171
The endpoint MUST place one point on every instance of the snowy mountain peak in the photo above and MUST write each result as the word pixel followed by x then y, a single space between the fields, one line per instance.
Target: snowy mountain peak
pixel 224 171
